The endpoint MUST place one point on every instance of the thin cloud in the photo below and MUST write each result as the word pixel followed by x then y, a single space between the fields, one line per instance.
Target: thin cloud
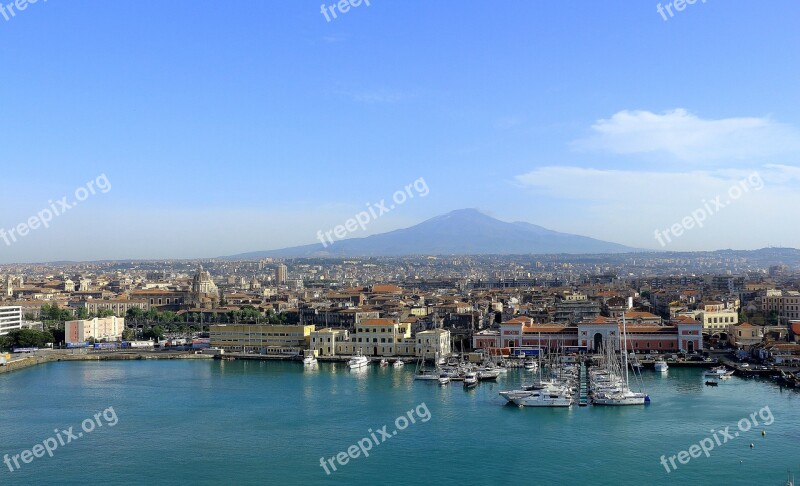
pixel 688 137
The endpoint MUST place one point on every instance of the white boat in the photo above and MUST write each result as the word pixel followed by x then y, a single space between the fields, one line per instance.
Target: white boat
pixel 661 366
pixel 384 363
pixel 358 361
pixel 622 397
pixel 444 379
pixel 309 360
pixel 470 379
pixel 718 371
pixel 530 364
pixel 399 363
pixel 611 386
pixel 488 374
pixel 544 399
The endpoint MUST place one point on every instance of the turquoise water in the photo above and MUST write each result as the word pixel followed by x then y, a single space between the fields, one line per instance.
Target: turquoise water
pixel 205 422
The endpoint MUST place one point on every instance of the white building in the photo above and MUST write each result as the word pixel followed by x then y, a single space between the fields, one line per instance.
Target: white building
pixel 10 319
pixel 431 342
pixel 108 329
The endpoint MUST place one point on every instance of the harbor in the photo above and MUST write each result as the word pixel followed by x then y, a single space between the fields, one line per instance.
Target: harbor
pixel 263 409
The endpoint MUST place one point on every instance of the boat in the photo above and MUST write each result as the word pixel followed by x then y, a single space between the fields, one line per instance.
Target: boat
pixel 610 385
pixel 544 399
pixel 530 364
pixel 384 363
pixel 444 379
pixel 424 374
pixel 399 363
pixel 661 366
pixel 718 371
pixel 488 375
pixel 309 360
pixel 358 361
pixel 470 379
pixel 712 383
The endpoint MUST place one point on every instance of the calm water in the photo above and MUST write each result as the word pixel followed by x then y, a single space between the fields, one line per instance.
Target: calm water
pixel 270 423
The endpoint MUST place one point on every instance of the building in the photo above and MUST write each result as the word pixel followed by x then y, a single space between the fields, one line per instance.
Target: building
pixel 572 311
pixel 261 338
pixel 428 343
pixel 785 303
pixel 716 322
pixel 119 307
pixel 280 274
pixel 380 337
pixel 106 329
pixel 10 319
pixel 593 335
pixel 324 341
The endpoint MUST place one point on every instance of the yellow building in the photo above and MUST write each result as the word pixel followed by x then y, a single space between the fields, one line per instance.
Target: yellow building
pixel 261 338
pixel 717 322
pixel 379 337
pixel 324 341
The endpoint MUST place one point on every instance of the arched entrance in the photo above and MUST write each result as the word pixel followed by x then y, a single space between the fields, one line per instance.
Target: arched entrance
pixel 598 341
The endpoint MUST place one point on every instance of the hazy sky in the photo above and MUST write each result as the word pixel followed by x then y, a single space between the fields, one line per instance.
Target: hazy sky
pixel 224 127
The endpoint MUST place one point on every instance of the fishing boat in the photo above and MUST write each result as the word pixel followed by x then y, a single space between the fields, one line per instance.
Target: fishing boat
pixel 718 371
pixel 358 361
pixel 661 366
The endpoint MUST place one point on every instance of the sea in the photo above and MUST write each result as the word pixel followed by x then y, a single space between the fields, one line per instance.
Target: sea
pixel 256 422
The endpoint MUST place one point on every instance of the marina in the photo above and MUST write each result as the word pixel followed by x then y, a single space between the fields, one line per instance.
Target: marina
pixel 236 403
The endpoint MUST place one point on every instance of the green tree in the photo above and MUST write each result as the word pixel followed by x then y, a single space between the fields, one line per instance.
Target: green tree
pixel 128 335
pixel 83 313
pixel 156 332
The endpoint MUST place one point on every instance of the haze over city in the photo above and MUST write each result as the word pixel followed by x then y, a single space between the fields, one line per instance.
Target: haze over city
pixel 237 129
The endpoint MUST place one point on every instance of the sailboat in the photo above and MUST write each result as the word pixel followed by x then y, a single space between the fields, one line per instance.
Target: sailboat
pixel 427 375
pixel 615 388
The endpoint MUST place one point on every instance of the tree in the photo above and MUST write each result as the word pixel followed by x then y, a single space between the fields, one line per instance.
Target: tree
pixel 83 313
pixel 154 333
pixel 128 335
pixel 29 338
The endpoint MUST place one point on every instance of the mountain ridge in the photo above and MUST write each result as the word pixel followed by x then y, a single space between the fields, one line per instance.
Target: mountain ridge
pixel 459 232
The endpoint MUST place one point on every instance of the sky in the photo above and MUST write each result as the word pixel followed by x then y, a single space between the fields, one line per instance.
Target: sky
pixel 215 128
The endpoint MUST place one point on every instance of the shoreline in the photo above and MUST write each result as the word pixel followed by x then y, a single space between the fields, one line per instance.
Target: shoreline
pixel 30 361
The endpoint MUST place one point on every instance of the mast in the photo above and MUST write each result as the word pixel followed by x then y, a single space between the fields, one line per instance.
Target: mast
pixel 625 350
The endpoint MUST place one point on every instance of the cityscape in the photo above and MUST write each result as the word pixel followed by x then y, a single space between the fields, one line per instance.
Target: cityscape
pixel 399 243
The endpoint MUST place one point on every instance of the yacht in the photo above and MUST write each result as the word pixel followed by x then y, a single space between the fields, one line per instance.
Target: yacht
pixel 544 399
pixel 444 379
pixel 399 363
pixel 309 360
pixel 530 364
pixel 470 379
pixel 661 366
pixel 358 361
pixel 488 374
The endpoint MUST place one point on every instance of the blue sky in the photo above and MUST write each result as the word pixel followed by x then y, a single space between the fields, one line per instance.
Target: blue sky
pixel 249 125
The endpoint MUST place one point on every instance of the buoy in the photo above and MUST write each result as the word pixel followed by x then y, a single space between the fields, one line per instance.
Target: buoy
pixel 763 433
pixel 751 445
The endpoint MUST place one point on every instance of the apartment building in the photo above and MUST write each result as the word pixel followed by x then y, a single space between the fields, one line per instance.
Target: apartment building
pixel 785 303
pixel 10 319
pixel 106 329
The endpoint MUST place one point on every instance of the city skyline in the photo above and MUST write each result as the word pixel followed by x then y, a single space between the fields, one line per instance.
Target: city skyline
pixel 217 139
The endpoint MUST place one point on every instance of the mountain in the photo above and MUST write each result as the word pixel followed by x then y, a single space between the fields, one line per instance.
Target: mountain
pixel 461 232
